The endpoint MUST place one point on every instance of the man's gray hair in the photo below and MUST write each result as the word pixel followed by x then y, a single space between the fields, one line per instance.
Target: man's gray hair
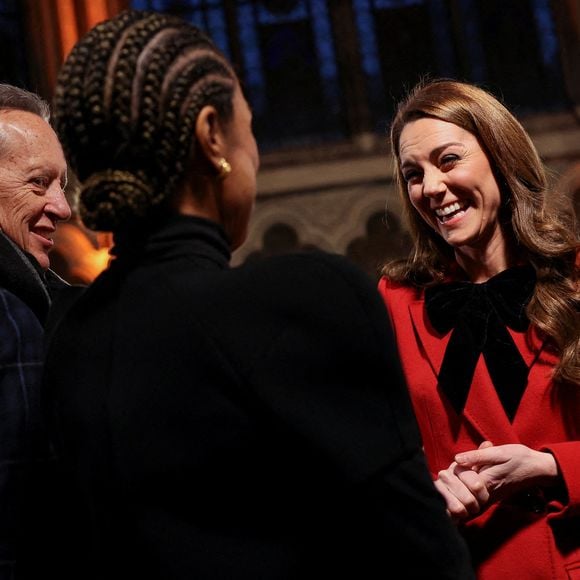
pixel 15 98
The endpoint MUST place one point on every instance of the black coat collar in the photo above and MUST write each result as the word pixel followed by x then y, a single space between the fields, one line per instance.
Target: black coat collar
pixel 21 275
pixel 172 236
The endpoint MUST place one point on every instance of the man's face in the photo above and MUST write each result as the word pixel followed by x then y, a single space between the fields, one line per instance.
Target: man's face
pixel 32 179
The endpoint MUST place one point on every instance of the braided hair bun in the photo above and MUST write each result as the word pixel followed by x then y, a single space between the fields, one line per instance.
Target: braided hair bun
pixel 126 102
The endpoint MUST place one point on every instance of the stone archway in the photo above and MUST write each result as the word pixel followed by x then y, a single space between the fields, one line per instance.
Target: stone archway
pixel 279 238
pixel 385 240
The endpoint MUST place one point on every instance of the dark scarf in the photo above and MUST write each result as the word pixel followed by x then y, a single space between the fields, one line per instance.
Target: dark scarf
pixel 479 314
pixel 21 275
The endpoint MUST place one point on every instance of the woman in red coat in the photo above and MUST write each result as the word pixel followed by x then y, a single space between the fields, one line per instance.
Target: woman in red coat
pixel 485 312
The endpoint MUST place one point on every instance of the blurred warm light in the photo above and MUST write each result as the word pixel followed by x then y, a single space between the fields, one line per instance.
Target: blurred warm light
pixel 68 24
pixel 79 255
pixel 96 11
pixel 75 18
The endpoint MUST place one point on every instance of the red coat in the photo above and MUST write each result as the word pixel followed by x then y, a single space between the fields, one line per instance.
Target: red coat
pixel 533 537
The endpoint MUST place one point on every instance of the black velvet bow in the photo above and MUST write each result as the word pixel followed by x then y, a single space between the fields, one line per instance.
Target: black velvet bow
pixel 479 314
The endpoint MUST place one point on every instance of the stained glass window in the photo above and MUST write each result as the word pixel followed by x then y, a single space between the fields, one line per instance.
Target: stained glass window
pixel 298 69
pixel 510 47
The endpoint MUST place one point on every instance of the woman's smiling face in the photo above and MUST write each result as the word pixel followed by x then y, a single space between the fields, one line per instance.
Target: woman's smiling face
pixel 450 182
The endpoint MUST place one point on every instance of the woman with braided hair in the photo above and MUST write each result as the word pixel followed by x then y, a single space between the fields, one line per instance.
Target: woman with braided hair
pixel 485 311
pixel 217 422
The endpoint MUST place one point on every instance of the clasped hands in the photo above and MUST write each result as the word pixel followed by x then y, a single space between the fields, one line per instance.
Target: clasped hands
pixel 479 478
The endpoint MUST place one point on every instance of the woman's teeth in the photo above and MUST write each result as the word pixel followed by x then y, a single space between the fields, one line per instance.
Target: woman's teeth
pixel 443 211
pixel 444 214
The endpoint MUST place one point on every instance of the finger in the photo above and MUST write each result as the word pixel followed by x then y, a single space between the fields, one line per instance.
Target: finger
pixel 476 485
pixel 459 490
pixel 456 510
pixel 472 456
pixel 477 457
pixel 483 445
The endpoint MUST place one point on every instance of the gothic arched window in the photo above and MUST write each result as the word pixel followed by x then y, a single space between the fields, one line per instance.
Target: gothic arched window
pixel 320 72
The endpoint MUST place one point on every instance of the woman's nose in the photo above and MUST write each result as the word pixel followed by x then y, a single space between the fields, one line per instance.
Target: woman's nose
pixel 433 183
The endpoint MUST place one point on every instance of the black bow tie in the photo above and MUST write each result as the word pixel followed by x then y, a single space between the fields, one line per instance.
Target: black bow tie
pixel 479 314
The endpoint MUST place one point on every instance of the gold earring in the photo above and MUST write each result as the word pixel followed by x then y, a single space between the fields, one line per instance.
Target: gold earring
pixel 224 168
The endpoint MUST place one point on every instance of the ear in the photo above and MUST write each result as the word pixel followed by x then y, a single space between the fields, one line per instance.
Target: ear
pixel 210 137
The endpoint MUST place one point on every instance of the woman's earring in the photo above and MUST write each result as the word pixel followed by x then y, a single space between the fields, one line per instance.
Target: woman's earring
pixel 224 168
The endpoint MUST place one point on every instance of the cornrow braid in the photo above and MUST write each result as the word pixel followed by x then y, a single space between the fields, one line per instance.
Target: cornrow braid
pixel 125 107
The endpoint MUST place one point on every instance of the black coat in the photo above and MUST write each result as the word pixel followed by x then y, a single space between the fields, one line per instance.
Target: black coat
pixel 29 478
pixel 242 423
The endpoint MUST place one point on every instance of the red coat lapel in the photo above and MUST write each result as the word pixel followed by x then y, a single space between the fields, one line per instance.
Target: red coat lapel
pixel 483 409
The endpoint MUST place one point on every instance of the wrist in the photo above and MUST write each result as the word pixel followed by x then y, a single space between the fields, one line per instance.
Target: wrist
pixel 548 473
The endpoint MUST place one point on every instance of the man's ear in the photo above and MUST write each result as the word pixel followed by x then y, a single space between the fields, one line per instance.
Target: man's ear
pixel 210 137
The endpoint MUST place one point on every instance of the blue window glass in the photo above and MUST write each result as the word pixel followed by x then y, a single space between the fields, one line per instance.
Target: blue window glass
pixel 402 41
pixel 546 31
pixel 510 47
pixel 287 63
pixel 290 72
pixel 205 14
pixel 285 54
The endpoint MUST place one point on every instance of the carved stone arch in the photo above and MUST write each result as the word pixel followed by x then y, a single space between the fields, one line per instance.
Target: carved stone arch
pixel 331 220
pixel 385 238
pixel 358 222
pixel 292 231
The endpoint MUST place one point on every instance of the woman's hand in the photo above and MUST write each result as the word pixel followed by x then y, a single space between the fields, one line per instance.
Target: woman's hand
pixel 463 489
pixel 507 469
pixel 479 478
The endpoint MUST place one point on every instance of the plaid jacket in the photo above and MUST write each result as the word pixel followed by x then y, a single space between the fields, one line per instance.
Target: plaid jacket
pixel 24 306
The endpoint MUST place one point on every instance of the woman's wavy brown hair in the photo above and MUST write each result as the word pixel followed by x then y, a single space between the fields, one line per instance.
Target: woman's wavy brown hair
pixel 543 231
pixel 125 107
